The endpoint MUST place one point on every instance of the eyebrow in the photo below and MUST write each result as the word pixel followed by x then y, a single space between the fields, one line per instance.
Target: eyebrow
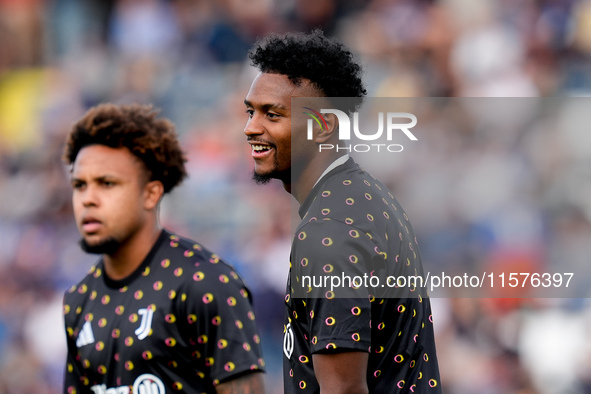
pixel 267 107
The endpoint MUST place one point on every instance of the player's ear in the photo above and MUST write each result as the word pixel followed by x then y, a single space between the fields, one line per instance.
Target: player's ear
pixel 153 192
pixel 330 128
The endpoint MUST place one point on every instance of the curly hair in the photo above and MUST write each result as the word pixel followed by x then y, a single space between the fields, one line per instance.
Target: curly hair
pixel 323 61
pixel 152 140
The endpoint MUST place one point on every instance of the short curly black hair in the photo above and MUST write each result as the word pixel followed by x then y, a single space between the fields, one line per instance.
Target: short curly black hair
pixel 136 127
pixel 326 63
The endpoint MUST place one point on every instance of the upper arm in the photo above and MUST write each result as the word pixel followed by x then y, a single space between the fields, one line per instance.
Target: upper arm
pixel 249 383
pixel 341 372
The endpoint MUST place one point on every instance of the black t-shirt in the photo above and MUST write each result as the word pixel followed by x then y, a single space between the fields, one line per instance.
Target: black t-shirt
pixel 182 322
pixel 352 225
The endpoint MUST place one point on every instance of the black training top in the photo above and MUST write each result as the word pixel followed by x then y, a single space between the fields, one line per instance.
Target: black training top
pixel 352 226
pixel 182 322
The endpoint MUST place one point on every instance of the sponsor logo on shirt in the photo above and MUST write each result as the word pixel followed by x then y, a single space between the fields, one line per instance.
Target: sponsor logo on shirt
pixel 86 337
pixel 144 384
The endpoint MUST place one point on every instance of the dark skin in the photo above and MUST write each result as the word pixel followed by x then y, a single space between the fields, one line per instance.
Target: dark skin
pixel 250 383
pixel 270 120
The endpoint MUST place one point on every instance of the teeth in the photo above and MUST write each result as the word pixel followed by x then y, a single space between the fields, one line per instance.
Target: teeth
pixel 259 148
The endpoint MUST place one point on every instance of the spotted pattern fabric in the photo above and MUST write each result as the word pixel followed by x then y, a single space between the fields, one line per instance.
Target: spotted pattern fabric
pixel 352 224
pixel 183 318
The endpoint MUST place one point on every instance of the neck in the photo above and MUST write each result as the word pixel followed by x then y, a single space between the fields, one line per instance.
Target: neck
pixel 303 181
pixel 132 252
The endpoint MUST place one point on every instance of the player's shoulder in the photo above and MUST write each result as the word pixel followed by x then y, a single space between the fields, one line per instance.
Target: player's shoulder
pixel 188 252
pixel 81 289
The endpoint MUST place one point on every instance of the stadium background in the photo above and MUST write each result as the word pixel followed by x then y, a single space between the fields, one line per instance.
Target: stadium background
pixel 188 57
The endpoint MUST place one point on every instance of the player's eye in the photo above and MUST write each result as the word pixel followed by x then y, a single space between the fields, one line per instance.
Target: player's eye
pixel 106 183
pixel 77 185
pixel 250 112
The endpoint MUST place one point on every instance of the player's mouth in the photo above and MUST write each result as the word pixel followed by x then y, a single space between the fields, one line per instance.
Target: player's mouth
pixel 260 150
pixel 91 225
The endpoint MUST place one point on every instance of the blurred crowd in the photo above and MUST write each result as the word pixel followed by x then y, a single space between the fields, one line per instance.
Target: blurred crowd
pixel 189 58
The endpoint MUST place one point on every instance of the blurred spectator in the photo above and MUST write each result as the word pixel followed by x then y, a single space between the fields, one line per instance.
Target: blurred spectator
pixel 482 192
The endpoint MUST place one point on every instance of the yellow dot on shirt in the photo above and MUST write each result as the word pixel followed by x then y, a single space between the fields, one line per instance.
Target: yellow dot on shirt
pixel 170 318
pixel 207 298
pixel 198 276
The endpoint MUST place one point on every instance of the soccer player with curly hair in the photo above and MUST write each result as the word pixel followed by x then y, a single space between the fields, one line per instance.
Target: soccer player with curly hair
pixel 157 313
pixel 367 343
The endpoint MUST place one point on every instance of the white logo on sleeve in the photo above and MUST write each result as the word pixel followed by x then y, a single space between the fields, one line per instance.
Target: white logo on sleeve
pixel 146 324
pixel 86 337
pixel 288 341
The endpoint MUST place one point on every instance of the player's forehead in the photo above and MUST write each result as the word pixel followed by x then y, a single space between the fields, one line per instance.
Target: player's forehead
pixel 273 89
pixel 100 161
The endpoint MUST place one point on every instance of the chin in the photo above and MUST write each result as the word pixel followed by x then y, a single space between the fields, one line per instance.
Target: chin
pixel 102 246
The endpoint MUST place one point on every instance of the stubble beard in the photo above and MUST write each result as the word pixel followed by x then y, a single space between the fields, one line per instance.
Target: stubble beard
pixel 107 246
pixel 263 179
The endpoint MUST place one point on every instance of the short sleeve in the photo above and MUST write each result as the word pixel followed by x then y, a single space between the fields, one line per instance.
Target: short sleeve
pixel 222 327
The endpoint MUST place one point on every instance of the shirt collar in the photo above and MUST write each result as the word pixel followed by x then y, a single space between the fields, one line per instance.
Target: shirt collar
pixel 340 161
